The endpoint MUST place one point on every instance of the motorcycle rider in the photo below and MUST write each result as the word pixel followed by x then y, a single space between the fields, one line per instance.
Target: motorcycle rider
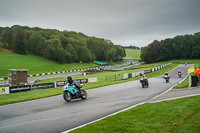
pixel 179 72
pixel 166 76
pixel 72 82
pixel 143 78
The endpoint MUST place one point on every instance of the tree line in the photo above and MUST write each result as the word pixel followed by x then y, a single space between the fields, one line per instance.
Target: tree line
pixel 179 47
pixel 132 47
pixel 59 46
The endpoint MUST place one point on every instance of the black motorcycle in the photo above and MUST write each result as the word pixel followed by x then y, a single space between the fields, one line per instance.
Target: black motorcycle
pixel 144 83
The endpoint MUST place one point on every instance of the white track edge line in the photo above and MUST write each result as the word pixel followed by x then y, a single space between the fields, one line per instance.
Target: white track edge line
pixel 103 117
pixel 174 98
pixel 168 89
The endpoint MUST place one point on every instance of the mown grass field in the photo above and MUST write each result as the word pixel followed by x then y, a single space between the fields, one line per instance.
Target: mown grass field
pixel 34 64
pixel 132 54
pixel 175 116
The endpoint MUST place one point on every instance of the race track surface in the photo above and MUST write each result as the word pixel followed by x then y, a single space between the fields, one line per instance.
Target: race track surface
pixel 54 115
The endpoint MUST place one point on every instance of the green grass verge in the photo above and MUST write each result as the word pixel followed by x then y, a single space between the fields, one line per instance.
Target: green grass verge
pixel 175 116
pixel 132 54
pixel 34 64
pixel 192 61
pixel 184 84
pixel 25 96
pixel 29 95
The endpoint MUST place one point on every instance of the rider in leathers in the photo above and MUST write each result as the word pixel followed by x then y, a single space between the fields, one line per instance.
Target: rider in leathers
pixel 72 82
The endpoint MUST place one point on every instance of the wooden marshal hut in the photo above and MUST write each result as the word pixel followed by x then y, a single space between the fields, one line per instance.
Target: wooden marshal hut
pixel 18 77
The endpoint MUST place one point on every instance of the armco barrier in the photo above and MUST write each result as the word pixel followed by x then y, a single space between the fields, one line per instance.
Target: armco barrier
pixel 125 76
pixel 14 89
pixel 60 83
pixel 67 71
pixel 92 80
pixel 42 86
pixel 130 75
pixel 20 88
pixel 147 71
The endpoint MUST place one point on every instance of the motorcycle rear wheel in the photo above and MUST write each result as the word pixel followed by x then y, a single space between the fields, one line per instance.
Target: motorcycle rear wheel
pixel 67 96
pixel 83 94
pixel 143 84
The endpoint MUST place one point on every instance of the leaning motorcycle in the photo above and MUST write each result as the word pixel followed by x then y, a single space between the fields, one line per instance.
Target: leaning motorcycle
pixel 72 92
pixel 166 77
pixel 144 83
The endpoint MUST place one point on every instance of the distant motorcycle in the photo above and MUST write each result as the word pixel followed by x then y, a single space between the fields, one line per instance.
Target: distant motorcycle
pixel 179 74
pixel 72 92
pixel 144 83
pixel 166 77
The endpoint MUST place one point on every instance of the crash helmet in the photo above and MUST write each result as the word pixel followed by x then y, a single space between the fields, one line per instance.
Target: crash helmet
pixel 166 73
pixel 69 78
pixel 140 74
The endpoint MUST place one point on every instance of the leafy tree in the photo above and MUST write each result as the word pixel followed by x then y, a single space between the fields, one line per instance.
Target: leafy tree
pixel 36 44
pixel 166 50
pixel 7 37
pixel 19 41
pixel 196 46
pixel 153 51
pixel 119 52
pixel 143 55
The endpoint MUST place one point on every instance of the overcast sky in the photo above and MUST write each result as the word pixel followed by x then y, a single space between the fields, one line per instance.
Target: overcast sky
pixel 124 22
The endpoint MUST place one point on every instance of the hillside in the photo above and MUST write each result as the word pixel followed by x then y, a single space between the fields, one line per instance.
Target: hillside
pixel 34 64
pixel 132 54
pixel 59 46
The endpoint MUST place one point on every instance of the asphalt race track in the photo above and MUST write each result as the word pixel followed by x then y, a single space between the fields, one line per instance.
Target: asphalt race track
pixel 54 115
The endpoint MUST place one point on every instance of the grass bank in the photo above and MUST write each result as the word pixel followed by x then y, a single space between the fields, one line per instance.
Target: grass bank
pixel 184 84
pixel 34 64
pixel 175 116
pixel 132 54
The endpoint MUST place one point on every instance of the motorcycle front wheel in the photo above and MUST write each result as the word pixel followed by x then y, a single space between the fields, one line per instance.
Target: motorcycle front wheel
pixel 67 96
pixel 83 94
